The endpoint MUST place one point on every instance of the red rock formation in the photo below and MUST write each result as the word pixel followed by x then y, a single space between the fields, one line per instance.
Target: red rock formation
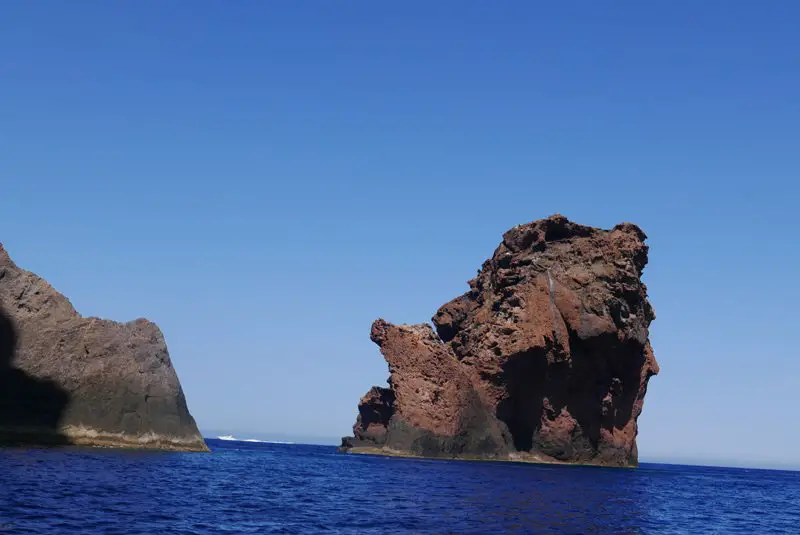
pixel 545 358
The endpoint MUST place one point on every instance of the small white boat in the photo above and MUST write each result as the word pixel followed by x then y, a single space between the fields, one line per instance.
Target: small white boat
pixel 227 437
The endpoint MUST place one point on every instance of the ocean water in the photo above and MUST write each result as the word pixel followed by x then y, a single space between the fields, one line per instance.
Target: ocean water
pixel 277 488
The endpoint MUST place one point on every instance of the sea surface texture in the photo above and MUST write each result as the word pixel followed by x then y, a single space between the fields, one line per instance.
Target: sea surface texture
pixel 244 487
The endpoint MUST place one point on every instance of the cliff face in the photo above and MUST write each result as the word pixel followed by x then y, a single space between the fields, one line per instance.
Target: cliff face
pixel 546 358
pixel 66 379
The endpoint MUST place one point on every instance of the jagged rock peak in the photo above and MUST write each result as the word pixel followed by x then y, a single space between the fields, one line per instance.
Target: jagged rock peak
pixel 545 358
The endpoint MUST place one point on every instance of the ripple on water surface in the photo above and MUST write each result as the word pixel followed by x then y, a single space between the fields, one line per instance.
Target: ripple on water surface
pixel 278 488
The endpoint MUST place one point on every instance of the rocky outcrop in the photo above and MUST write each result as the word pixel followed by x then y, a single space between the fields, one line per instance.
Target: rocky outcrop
pixel 546 358
pixel 66 379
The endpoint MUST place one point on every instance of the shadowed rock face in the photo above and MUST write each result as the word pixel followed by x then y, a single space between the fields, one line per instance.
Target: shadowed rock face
pixel 546 358
pixel 66 379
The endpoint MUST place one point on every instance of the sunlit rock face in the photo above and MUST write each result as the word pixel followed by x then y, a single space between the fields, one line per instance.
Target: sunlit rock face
pixel 546 358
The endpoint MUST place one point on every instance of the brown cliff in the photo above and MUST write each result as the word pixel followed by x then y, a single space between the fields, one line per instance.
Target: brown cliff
pixel 66 379
pixel 546 358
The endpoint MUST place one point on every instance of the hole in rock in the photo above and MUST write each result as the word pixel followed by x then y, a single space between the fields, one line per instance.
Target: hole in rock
pixel 595 369
pixel 524 375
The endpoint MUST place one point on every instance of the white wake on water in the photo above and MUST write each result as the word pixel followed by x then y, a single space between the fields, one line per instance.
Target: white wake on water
pixel 233 438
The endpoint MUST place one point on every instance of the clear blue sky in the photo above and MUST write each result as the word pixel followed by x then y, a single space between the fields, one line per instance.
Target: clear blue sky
pixel 264 179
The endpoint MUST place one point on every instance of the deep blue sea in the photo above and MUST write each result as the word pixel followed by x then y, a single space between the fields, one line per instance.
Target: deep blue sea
pixel 277 488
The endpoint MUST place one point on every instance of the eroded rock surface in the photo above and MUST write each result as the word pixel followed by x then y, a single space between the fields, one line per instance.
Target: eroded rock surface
pixel 66 379
pixel 546 358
